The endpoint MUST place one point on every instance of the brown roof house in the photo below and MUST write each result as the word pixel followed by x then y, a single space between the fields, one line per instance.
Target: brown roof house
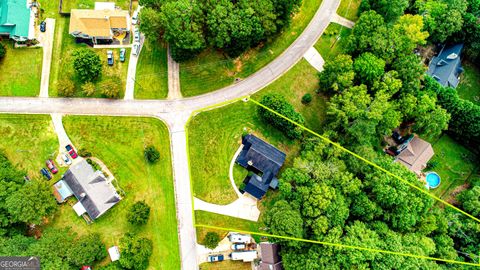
pixel 415 154
pixel 270 258
pixel 100 25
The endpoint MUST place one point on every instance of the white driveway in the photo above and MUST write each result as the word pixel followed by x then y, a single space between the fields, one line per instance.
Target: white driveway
pixel 245 207
pixel 132 70
pixel 314 58
pixel 342 21
pixel 47 56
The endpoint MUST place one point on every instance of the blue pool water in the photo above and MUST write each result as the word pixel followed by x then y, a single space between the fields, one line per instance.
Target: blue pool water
pixel 433 179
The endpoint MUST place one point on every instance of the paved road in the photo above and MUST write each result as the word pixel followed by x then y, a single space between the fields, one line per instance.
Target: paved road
pixel 47 56
pixel 176 112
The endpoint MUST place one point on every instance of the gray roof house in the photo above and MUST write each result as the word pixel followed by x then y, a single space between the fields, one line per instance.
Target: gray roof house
pixel 264 161
pixel 447 67
pixel 94 194
pixel 271 260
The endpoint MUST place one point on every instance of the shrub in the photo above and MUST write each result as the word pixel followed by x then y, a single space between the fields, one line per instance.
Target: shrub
pixel 211 240
pixel 307 98
pixel 88 89
pixel 84 152
pixel 66 88
pixel 87 64
pixel 151 154
pixel 139 213
pixel 281 106
pixel 111 87
pixel 3 51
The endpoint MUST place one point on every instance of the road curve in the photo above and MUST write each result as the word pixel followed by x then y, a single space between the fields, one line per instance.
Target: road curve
pixel 176 112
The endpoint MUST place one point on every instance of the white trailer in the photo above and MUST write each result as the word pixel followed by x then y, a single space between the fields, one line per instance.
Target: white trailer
pixel 239 238
pixel 246 256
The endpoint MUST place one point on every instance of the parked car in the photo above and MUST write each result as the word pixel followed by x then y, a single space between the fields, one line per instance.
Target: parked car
pixel 46 173
pixel 136 35
pixel 238 246
pixel 51 166
pixel 66 159
pixel 71 151
pixel 110 58
pixel 136 49
pixel 122 54
pixel 135 17
pixel 43 26
pixel 215 258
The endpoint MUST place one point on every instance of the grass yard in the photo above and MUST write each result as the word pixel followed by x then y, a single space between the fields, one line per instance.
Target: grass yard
pixel 349 9
pixel 62 66
pixel 226 265
pixel 213 70
pixel 217 135
pixel 298 81
pixel 20 71
pixel 333 41
pixel 455 165
pixel 67 5
pixel 152 72
pixel 27 141
pixel 119 143
pixel 469 87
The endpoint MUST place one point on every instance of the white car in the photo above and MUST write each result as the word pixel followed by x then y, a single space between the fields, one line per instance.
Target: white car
pixel 136 35
pixel 136 48
pixel 66 159
pixel 135 17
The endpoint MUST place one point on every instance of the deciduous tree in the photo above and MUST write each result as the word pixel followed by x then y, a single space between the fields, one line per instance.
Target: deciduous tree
pixel 87 64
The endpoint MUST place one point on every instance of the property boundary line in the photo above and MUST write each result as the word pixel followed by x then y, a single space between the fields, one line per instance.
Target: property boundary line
pixel 365 160
pixel 340 245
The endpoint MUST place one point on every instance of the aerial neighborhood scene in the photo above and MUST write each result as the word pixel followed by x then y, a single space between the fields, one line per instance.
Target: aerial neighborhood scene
pixel 235 134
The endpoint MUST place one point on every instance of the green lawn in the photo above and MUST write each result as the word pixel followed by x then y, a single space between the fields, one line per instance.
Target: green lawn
pixel 28 140
pixel 213 70
pixel 67 5
pixel 349 9
pixel 119 143
pixel 469 87
pixel 226 265
pixel 333 41
pixel 298 81
pixel 217 135
pixel 152 72
pixel 62 66
pixel 455 165
pixel 20 71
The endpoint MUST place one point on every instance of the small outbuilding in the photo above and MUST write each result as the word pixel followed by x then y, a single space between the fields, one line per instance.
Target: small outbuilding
pixel 239 238
pixel 447 67
pixel 114 253
pixel 271 260
pixel 264 161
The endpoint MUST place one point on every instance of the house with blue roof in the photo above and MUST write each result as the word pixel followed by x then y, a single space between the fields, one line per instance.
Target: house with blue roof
pixel 263 161
pixel 446 67
pixel 17 20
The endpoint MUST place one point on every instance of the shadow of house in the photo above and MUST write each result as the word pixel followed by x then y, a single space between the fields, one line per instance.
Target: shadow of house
pixel 447 67
pixel 94 193
pixel 264 161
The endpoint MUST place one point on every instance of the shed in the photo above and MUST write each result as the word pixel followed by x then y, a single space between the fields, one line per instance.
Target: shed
pixel 246 256
pixel 447 67
pixel 270 258
pixel 61 191
pixel 239 238
pixel 114 253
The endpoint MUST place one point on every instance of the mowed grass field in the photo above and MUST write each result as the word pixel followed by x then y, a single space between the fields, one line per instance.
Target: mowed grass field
pixel 212 70
pixel 20 71
pixel 349 9
pixel 469 87
pixel 119 143
pixel 333 41
pixel 456 165
pixel 151 78
pixel 67 5
pixel 226 265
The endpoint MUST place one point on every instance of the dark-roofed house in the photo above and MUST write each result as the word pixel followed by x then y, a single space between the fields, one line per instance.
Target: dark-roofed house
pixel 94 193
pixel 416 154
pixel 264 161
pixel 447 67
pixel 270 258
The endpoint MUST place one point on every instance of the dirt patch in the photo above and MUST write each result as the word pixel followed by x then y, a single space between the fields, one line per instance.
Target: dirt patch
pixel 452 197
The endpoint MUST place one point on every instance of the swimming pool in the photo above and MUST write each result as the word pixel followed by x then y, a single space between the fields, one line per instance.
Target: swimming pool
pixel 433 179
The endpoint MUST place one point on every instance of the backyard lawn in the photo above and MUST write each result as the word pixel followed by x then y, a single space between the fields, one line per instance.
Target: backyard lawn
pixel 20 71
pixel 226 265
pixel 333 41
pixel 67 5
pixel 152 72
pixel 469 87
pixel 62 66
pixel 298 81
pixel 213 70
pixel 455 166
pixel 119 143
pixel 214 136
pixel 349 9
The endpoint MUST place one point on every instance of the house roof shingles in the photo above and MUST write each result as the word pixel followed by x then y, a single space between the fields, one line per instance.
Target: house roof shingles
pixel 15 18
pixel 97 23
pixel 416 155
pixel 445 67
pixel 270 258
pixel 91 189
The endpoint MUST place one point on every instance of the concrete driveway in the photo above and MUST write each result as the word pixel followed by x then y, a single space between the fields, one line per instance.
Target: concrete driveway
pixel 47 44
